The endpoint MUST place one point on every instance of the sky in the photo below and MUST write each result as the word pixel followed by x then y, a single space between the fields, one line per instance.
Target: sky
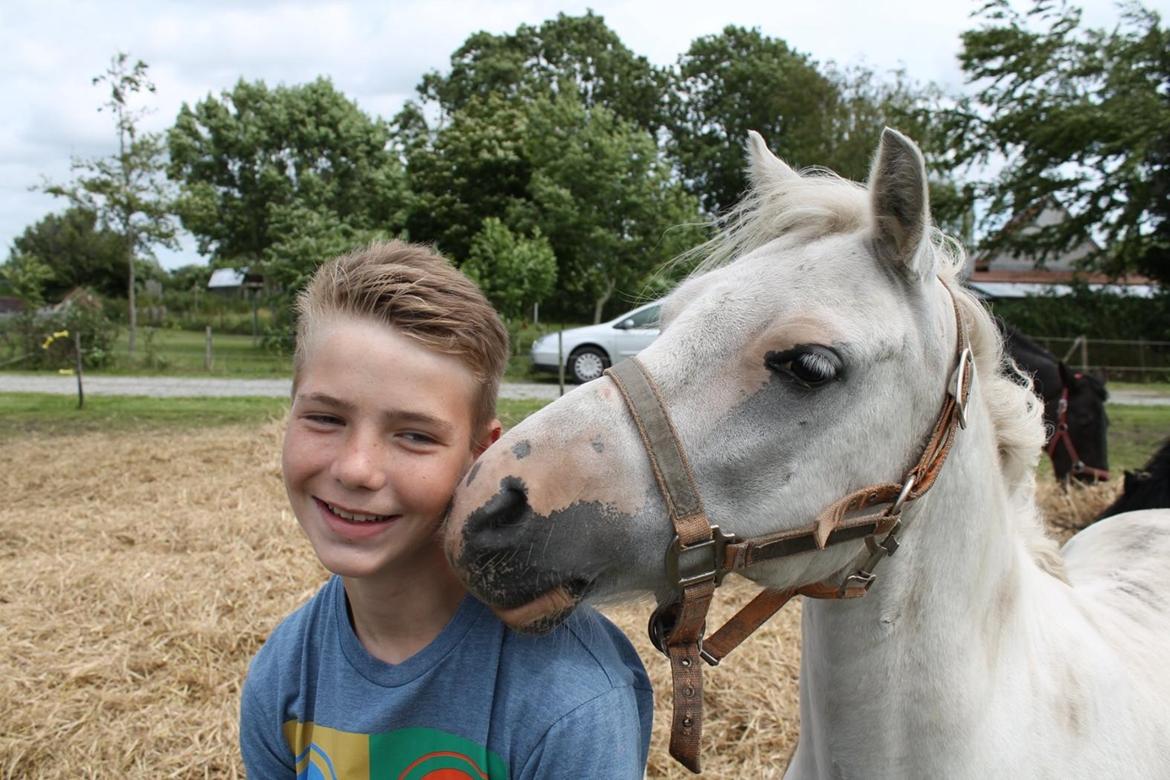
pixel 376 53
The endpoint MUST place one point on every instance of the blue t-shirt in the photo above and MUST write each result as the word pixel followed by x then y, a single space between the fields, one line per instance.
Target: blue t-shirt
pixel 480 701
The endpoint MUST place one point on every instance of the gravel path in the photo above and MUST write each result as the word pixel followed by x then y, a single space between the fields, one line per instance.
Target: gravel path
pixel 171 387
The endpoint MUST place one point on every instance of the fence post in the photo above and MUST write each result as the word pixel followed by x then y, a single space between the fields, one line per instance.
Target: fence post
pixel 207 357
pixel 77 356
pixel 561 358
pixel 1085 353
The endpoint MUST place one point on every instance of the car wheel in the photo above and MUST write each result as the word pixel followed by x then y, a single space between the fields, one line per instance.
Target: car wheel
pixel 587 363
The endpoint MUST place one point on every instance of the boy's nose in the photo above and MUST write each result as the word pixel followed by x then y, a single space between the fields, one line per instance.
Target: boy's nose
pixel 360 464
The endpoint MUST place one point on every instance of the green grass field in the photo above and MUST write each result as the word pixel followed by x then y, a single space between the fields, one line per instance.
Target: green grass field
pixel 1134 431
pixel 26 413
pixel 167 352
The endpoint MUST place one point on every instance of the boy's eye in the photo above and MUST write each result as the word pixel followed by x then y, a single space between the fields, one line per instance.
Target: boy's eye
pixel 416 437
pixel 324 419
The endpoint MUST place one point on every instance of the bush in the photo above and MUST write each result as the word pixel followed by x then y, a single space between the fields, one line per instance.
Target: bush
pixel 44 339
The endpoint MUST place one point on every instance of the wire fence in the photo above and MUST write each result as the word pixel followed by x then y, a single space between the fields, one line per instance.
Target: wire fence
pixel 1143 360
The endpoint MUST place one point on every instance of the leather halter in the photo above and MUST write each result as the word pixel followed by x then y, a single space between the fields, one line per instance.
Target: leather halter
pixel 701 554
pixel 1062 436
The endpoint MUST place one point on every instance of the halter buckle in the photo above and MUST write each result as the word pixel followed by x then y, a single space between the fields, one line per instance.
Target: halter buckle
pixel 699 562
pixel 958 385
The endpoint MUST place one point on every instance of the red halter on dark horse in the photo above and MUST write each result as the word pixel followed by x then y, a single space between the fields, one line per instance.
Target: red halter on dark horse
pixel 1074 409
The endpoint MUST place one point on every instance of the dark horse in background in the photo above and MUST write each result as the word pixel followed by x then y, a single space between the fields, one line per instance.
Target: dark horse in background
pixel 1145 489
pixel 1074 409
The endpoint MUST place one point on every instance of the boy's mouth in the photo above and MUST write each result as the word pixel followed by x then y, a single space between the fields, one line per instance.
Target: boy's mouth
pixel 354 517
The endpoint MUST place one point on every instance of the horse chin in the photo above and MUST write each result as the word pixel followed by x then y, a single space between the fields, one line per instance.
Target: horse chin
pixel 545 612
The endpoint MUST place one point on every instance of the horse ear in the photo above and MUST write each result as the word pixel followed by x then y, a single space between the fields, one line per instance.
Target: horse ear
pixel 763 166
pixel 901 206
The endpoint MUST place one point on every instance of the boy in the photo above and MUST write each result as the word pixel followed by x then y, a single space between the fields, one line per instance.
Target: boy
pixel 391 670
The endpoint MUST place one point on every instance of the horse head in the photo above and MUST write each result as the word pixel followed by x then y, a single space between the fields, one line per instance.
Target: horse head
pixel 1079 422
pixel 807 359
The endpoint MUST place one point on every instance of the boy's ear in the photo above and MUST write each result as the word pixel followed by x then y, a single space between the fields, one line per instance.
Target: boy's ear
pixel 491 435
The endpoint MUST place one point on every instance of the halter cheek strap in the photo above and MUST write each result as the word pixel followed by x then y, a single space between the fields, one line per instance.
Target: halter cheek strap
pixel 1061 436
pixel 701 554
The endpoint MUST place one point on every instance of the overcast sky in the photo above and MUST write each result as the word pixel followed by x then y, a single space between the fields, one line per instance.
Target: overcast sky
pixel 376 52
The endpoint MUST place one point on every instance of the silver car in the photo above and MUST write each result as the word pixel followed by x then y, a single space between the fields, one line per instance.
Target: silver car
pixel 590 350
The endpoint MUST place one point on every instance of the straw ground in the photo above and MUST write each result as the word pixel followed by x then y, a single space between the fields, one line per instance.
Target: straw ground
pixel 144 567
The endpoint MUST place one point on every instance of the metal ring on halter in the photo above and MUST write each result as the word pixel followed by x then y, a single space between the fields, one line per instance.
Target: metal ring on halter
pixel 901 499
pixel 959 381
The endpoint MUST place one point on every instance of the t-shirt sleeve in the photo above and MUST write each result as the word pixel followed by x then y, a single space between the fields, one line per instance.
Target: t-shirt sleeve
pixel 603 737
pixel 266 754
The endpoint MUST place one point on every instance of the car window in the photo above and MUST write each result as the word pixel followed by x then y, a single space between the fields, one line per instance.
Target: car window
pixel 647 318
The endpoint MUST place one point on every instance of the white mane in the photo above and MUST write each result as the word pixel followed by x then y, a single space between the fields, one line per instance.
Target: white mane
pixel 819 203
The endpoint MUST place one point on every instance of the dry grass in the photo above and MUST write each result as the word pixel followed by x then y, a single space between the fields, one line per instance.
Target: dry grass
pixel 143 572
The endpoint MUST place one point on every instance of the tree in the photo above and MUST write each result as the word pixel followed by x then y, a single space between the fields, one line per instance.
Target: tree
pixel 127 191
pixel 247 159
pixel 607 200
pixel 513 271
pixel 577 54
pixel 25 276
pixel 740 80
pixel 810 115
pixel 1076 116
pixel 77 252
pixel 866 103
pixel 474 167
pixel 596 187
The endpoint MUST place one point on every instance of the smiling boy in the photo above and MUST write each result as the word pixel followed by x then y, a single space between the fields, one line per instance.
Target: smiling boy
pixel 391 670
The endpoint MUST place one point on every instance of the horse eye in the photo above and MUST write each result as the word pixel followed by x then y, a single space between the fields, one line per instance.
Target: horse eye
pixel 810 365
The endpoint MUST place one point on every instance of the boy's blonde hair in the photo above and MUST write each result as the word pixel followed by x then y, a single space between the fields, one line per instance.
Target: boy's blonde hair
pixel 418 293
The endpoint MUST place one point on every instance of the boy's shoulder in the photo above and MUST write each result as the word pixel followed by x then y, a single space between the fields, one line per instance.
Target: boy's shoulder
pixel 298 634
pixel 585 657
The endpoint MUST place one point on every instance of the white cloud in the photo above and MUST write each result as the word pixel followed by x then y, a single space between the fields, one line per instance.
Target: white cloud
pixel 375 52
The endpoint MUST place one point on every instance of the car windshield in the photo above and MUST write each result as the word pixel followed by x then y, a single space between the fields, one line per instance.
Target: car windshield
pixel 647 318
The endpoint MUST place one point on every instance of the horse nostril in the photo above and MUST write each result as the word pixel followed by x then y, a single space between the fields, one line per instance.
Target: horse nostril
pixel 506 508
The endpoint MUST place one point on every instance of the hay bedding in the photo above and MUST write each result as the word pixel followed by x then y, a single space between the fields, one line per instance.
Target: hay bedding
pixel 144 570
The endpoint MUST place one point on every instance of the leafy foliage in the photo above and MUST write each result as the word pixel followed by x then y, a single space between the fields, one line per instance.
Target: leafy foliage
pixel 77 253
pixel 44 339
pixel 25 275
pixel 739 80
pixel 609 203
pixel 577 55
pixel 126 191
pixel 595 186
pixel 253 156
pixel 513 271
pixel 1080 117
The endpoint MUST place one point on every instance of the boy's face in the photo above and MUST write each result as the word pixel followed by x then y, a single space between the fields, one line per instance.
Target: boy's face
pixel 379 434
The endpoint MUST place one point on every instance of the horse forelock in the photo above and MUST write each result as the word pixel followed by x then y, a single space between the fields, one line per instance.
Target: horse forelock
pixel 818 204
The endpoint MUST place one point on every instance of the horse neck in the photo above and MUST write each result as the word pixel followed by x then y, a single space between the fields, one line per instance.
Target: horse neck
pixel 873 668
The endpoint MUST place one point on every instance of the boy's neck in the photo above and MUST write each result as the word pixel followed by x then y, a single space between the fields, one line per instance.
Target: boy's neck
pixel 397 615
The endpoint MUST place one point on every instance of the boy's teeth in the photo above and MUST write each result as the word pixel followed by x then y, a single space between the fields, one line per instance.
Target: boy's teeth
pixel 354 517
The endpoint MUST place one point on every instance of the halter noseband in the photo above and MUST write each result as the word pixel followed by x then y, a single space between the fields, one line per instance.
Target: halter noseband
pixel 1062 436
pixel 701 554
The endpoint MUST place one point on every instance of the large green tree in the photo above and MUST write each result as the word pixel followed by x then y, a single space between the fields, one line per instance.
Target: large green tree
pixel 78 252
pixel 579 54
pixel 810 114
pixel 739 80
pixel 1074 116
pixel 595 185
pixel 127 191
pixel 607 200
pixel 252 156
pixel 474 167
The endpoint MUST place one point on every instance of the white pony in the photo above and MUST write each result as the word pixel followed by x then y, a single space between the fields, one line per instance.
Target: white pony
pixel 809 360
